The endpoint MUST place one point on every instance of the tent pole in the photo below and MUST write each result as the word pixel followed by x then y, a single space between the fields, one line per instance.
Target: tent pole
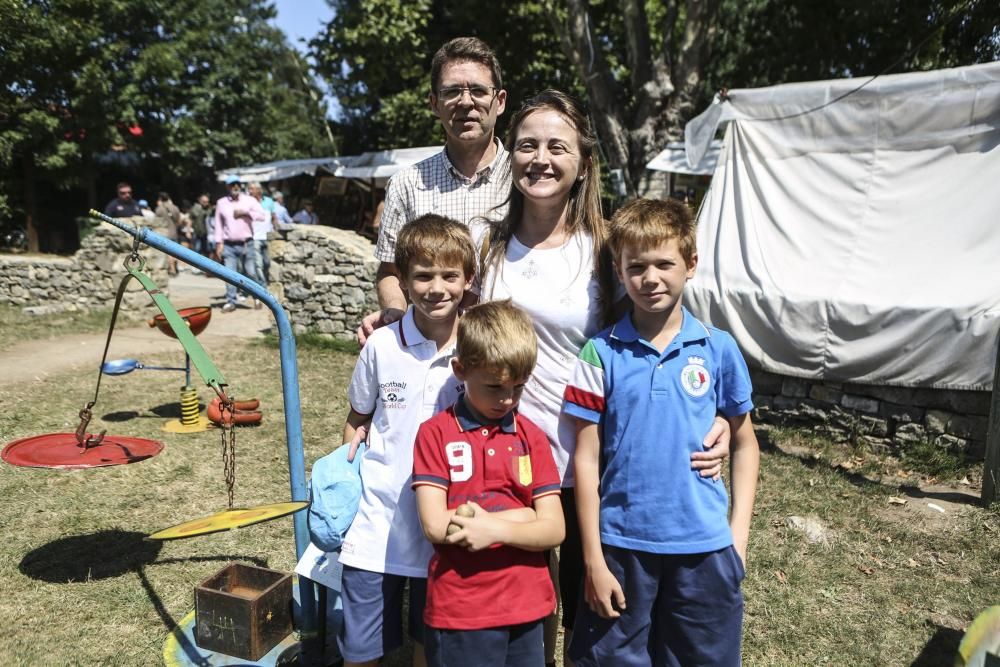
pixel 991 469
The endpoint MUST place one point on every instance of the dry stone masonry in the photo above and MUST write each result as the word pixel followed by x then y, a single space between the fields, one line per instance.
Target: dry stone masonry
pixel 885 419
pixel 88 280
pixel 325 277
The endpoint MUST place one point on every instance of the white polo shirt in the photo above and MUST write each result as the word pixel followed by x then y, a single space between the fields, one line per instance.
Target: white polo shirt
pixel 404 380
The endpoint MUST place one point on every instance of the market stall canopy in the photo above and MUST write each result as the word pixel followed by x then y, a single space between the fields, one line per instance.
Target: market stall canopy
pixel 851 229
pixel 276 171
pixel 373 165
pixel 673 158
pixel 380 165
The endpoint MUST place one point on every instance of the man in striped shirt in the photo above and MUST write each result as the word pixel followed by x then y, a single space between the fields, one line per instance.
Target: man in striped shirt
pixel 470 178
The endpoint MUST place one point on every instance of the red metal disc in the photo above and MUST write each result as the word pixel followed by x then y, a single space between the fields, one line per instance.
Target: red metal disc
pixel 197 318
pixel 60 450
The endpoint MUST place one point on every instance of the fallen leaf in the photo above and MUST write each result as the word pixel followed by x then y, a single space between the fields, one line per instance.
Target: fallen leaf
pixel 866 570
pixel 902 473
pixel 912 563
pixel 812 482
pixel 780 576
pixel 894 500
pixel 847 465
pixel 936 508
pixel 939 560
pixel 964 481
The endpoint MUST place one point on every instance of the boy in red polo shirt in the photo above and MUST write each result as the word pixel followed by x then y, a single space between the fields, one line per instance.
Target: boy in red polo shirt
pixel 488 585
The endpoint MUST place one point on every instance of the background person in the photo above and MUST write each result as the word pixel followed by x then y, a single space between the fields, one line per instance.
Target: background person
pixel 122 206
pixel 306 216
pixel 170 216
pixel 234 217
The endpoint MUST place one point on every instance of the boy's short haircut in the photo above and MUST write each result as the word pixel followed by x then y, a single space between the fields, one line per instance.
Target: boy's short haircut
pixel 646 223
pixel 436 241
pixel 497 335
pixel 465 49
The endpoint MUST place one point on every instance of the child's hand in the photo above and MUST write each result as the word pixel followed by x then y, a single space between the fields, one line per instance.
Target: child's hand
pixel 603 593
pixel 475 532
pixel 359 436
pixel 740 545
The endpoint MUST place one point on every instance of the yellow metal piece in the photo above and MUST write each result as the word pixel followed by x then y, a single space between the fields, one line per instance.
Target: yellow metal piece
pixel 177 426
pixel 189 406
pixel 191 420
pixel 227 520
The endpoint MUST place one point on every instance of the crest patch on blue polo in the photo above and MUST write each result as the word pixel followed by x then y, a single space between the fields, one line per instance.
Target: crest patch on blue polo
pixel 695 378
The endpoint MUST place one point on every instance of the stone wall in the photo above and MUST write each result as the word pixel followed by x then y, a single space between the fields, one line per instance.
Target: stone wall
pixel 883 418
pixel 325 277
pixel 87 280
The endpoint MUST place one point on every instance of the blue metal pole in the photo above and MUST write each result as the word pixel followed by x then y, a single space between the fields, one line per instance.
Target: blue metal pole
pixel 289 389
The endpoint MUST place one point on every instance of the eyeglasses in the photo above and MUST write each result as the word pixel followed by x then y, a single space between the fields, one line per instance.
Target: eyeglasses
pixel 480 94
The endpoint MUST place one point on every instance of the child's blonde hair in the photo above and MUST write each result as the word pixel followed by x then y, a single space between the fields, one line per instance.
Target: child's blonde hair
pixel 497 336
pixel 646 223
pixel 435 240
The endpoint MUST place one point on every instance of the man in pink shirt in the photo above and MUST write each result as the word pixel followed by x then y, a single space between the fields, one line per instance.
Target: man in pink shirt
pixel 234 217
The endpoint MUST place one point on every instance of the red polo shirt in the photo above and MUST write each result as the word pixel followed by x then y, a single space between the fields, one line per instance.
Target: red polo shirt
pixel 499 466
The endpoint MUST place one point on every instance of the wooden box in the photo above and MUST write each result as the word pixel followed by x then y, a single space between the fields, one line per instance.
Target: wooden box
pixel 243 611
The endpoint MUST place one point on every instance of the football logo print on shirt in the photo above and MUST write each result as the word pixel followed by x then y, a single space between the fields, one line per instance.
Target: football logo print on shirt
pixel 695 378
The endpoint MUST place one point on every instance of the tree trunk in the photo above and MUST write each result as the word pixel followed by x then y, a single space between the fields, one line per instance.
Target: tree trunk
pixel 30 204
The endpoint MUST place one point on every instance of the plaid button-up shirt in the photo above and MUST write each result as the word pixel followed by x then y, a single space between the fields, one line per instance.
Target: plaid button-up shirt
pixel 435 186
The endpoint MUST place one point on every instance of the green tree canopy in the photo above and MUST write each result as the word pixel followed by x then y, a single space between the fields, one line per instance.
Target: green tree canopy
pixel 193 84
pixel 645 67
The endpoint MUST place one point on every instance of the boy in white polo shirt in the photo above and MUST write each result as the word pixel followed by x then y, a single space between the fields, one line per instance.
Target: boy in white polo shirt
pixel 402 377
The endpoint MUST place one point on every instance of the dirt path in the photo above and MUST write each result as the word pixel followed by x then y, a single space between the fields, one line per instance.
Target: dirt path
pixel 35 360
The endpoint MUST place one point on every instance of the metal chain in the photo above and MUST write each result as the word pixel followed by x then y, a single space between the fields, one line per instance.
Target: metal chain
pixel 228 409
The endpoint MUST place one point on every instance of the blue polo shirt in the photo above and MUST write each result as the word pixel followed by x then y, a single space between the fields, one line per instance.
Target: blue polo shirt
pixel 654 411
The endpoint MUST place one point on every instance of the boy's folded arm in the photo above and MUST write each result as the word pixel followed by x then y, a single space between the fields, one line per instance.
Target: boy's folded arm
pixel 547 530
pixel 519 515
pixel 432 507
pixel 744 470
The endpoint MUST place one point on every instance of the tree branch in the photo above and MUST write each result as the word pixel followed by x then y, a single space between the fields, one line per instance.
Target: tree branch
pixel 580 47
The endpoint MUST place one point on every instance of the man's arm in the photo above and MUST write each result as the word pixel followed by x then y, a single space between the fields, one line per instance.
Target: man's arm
pixel 485 528
pixel 716 444
pixel 390 298
pixel 218 232
pixel 602 591
pixel 744 469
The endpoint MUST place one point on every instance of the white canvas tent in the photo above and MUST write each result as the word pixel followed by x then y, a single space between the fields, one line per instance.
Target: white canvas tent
pixel 673 159
pixel 282 169
pixel 852 234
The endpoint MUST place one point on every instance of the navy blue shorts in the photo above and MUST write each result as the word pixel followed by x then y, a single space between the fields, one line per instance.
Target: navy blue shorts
pixel 373 613
pixel 680 610
pixel 509 646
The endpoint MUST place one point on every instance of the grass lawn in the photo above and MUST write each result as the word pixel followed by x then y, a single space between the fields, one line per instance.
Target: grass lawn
pixel 893 584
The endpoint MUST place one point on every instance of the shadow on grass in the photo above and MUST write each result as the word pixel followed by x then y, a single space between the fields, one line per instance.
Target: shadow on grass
pixel 957 497
pixel 113 553
pixel 941 649
pixel 102 555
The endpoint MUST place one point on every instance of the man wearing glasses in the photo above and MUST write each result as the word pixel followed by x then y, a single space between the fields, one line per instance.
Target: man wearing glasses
pixel 122 206
pixel 470 178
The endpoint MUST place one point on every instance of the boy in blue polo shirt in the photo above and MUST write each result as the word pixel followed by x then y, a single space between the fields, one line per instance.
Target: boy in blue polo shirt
pixel 663 561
